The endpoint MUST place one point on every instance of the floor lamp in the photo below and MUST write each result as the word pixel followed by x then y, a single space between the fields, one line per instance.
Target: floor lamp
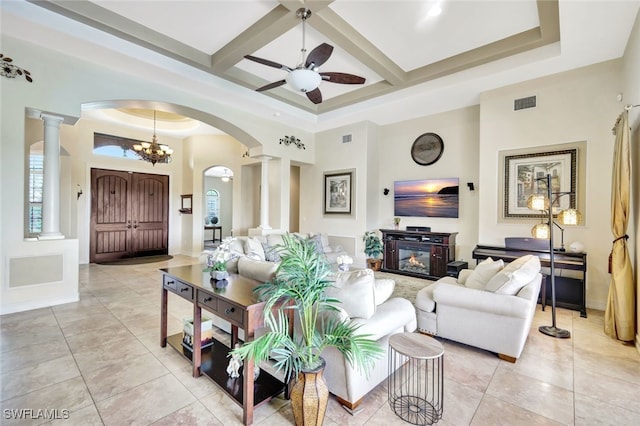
pixel 545 230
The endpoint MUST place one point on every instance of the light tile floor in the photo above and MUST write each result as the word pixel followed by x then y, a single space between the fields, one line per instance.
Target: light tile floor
pixel 100 359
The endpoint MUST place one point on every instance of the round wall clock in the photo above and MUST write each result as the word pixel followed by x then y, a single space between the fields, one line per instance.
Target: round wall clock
pixel 427 149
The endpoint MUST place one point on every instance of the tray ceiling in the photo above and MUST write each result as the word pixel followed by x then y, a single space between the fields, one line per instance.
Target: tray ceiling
pixel 393 44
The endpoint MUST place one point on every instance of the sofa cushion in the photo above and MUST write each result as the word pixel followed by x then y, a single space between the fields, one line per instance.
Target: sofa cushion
pixel 355 291
pixel 255 269
pixel 515 275
pixel 424 299
pixel 275 240
pixel 382 289
pixel 253 249
pixel 483 272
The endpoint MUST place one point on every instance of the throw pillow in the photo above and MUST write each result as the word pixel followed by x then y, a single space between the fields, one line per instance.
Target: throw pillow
pixel 270 253
pixel 355 291
pixel 483 272
pixel 515 275
pixel 324 239
pixel 253 249
pixel 317 240
pixel 382 289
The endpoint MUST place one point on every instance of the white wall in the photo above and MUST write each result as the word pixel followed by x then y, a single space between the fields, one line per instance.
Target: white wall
pixel 459 132
pixel 331 156
pixel 577 105
pixel 62 86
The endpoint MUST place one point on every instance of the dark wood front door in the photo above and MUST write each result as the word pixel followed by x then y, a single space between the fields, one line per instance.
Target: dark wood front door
pixel 129 215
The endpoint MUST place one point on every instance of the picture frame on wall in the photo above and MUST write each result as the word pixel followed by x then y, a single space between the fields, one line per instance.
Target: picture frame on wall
pixel 338 192
pixel 522 175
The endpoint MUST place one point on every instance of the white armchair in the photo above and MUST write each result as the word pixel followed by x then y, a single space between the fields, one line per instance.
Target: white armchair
pixel 490 307
pixel 366 302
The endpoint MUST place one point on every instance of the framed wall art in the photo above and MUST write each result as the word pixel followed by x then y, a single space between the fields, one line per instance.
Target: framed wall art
pixel 522 175
pixel 338 192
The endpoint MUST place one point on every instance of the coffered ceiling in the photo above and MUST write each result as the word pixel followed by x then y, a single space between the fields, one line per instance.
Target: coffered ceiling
pixel 396 45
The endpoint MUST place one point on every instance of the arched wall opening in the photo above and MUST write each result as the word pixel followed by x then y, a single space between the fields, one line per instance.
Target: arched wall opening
pixel 194 154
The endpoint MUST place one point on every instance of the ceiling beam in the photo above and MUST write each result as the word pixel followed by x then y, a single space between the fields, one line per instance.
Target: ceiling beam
pixel 271 26
pixel 103 19
pixel 342 33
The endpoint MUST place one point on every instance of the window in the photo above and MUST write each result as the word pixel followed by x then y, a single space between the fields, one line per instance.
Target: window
pixel 36 169
pixel 114 146
pixel 212 198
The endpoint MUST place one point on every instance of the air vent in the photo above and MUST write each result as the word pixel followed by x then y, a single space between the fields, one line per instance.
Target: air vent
pixel 346 138
pixel 524 103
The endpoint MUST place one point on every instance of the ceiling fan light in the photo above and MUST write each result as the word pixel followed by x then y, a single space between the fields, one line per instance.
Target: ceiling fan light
pixel 303 80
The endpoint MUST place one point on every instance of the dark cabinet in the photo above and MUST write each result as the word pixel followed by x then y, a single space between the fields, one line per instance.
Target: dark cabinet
pixel 439 260
pixel 417 253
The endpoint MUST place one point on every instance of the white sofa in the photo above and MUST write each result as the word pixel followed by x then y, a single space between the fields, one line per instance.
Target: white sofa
pixel 366 302
pixel 255 257
pixel 490 307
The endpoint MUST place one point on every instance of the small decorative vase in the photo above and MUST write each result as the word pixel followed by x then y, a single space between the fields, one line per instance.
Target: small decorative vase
pixel 219 275
pixel 309 397
pixel 343 267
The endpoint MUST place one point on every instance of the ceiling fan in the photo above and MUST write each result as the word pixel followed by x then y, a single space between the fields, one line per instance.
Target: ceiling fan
pixel 305 77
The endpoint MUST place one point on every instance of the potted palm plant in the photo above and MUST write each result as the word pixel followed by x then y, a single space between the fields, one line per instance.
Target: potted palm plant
pixel 373 249
pixel 299 287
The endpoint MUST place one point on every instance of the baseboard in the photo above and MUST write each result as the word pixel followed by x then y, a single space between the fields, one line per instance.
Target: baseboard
pixel 36 304
pixel 638 343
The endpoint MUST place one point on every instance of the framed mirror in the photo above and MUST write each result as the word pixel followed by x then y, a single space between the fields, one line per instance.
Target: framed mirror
pixel 186 202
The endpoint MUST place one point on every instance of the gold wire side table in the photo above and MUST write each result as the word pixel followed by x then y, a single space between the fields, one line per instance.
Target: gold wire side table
pixel 416 378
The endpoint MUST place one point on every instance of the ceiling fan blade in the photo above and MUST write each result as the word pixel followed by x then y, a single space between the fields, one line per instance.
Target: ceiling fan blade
pixel 342 78
pixel 271 86
pixel 315 96
pixel 318 56
pixel 267 62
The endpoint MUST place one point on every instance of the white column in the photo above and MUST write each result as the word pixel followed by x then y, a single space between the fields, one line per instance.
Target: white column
pixel 264 194
pixel 51 179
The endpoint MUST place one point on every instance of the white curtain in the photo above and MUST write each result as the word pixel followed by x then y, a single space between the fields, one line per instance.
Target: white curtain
pixel 619 319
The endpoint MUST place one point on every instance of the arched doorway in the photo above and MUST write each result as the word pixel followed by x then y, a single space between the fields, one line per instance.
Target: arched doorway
pixel 217 204
pixel 186 231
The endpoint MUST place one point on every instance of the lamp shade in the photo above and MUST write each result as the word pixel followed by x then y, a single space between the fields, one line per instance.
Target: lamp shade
pixel 537 202
pixel 541 230
pixel 303 80
pixel 569 217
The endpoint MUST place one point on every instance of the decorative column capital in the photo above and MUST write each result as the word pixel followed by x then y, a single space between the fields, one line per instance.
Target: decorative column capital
pixel 50 119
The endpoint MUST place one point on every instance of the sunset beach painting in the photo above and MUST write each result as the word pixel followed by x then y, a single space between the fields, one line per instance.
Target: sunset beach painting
pixel 426 197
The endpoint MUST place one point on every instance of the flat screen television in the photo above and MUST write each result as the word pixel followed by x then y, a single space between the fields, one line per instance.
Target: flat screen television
pixel 426 197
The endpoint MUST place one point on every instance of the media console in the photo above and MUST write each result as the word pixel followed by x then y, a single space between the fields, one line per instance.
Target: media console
pixel 417 253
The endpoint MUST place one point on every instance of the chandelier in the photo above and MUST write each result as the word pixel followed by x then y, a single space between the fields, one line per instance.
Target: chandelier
pixel 152 151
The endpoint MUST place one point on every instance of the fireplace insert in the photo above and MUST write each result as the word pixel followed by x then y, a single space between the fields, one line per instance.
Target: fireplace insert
pixel 414 260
